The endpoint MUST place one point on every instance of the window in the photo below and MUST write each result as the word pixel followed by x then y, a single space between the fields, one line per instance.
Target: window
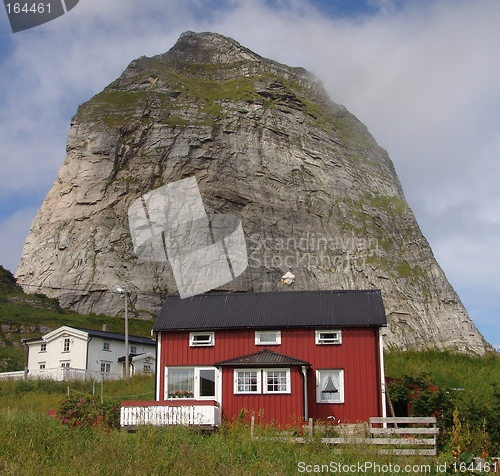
pixel 328 337
pixel 262 381
pixel 200 339
pixel 147 369
pixel 43 347
pixel 65 365
pixel 191 382
pixel 330 386
pixel 105 367
pixel 277 381
pixel 247 381
pixel 66 344
pixel 105 347
pixel 42 366
pixel 133 349
pixel 267 337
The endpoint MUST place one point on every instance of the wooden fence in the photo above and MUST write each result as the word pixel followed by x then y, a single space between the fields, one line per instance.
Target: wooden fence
pixel 395 435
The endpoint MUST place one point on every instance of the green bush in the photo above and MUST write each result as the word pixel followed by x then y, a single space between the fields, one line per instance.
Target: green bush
pixel 86 410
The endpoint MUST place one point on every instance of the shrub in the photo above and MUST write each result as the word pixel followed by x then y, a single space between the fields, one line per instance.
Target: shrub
pixel 86 410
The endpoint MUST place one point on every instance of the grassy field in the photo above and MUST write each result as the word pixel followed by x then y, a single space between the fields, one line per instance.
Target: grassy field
pixel 34 443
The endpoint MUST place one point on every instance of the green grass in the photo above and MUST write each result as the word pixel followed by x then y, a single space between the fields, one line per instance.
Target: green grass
pixel 34 443
pixel 23 316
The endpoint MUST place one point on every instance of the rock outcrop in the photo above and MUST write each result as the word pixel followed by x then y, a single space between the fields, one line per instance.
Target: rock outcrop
pixel 314 192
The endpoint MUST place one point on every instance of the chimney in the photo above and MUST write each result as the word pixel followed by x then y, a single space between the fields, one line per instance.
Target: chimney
pixel 105 327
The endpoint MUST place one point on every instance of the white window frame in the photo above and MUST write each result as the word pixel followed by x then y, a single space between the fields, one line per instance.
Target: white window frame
pixel 133 349
pixel 262 376
pixel 42 365
pixel 275 392
pixel 339 382
pixel 210 342
pixel 106 346
pixel 259 334
pixel 67 344
pixel 258 373
pixel 107 367
pixel 43 347
pixel 196 383
pixel 65 365
pixel 328 341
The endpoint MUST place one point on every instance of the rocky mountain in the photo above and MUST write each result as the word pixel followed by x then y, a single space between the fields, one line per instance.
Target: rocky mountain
pixel 311 191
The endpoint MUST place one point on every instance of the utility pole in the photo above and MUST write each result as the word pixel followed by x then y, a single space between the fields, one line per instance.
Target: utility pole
pixel 127 365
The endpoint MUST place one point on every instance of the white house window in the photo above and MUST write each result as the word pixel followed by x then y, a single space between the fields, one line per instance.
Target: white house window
pixel 247 381
pixel 43 347
pixel 105 367
pixel 191 382
pixel 267 337
pixel 200 339
pixel 328 337
pixel 42 366
pixel 66 344
pixel 277 381
pixel 105 346
pixel 147 369
pixel 65 365
pixel 330 386
pixel 262 381
pixel 133 349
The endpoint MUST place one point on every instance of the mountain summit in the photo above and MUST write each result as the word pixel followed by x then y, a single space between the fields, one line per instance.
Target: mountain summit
pixel 213 132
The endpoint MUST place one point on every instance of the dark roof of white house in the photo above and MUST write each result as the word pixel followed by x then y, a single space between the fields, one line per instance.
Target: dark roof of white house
pixel 351 308
pixel 116 336
pixel 264 357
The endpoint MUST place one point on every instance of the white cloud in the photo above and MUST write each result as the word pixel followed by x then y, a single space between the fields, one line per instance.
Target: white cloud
pixel 423 77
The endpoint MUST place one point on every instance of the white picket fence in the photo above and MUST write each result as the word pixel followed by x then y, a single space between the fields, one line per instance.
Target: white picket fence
pixel 162 415
pixel 60 374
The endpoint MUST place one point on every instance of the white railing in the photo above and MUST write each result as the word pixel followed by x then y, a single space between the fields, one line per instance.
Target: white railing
pixel 199 415
pixel 60 374
pixel 12 375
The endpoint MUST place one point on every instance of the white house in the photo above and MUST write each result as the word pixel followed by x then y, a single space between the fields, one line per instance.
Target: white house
pixel 70 352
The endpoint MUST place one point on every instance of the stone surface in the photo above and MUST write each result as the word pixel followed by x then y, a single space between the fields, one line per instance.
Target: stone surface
pixel 315 193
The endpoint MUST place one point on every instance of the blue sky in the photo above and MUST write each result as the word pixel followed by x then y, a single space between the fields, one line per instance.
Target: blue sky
pixel 423 75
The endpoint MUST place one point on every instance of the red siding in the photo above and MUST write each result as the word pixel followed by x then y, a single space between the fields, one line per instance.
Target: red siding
pixel 357 355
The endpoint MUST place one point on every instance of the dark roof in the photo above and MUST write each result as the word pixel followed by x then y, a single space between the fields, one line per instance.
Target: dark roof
pixel 116 336
pixel 273 310
pixel 264 357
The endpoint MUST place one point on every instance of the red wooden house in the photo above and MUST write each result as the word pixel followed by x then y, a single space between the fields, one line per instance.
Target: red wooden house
pixel 284 357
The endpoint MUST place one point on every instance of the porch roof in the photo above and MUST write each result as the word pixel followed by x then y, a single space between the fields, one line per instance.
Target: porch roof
pixel 264 357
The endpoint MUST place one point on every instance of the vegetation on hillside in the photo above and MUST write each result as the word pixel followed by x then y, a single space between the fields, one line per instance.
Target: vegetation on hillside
pixel 24 316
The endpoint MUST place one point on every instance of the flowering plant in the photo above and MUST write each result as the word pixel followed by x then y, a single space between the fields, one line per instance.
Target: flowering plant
pixel 86 410
pixel 181 394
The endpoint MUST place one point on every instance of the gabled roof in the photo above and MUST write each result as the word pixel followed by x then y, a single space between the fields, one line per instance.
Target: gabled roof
pixel 264 357
pixel 85 333
pixel 273 310
pixel 119 337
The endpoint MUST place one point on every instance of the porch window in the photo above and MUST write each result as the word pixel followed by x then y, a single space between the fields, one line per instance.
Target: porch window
pixel 201 339
pixel 191 382
pixel 277 381
pixel 247 381
pixel 328 337
pixel 262 381
pixel 267 337
pixel 330 386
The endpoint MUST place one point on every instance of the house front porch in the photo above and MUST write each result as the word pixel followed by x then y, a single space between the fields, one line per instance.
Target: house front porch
pixel 205 414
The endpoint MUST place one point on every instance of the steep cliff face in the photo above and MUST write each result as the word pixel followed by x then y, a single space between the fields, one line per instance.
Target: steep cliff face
pixel 314 192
